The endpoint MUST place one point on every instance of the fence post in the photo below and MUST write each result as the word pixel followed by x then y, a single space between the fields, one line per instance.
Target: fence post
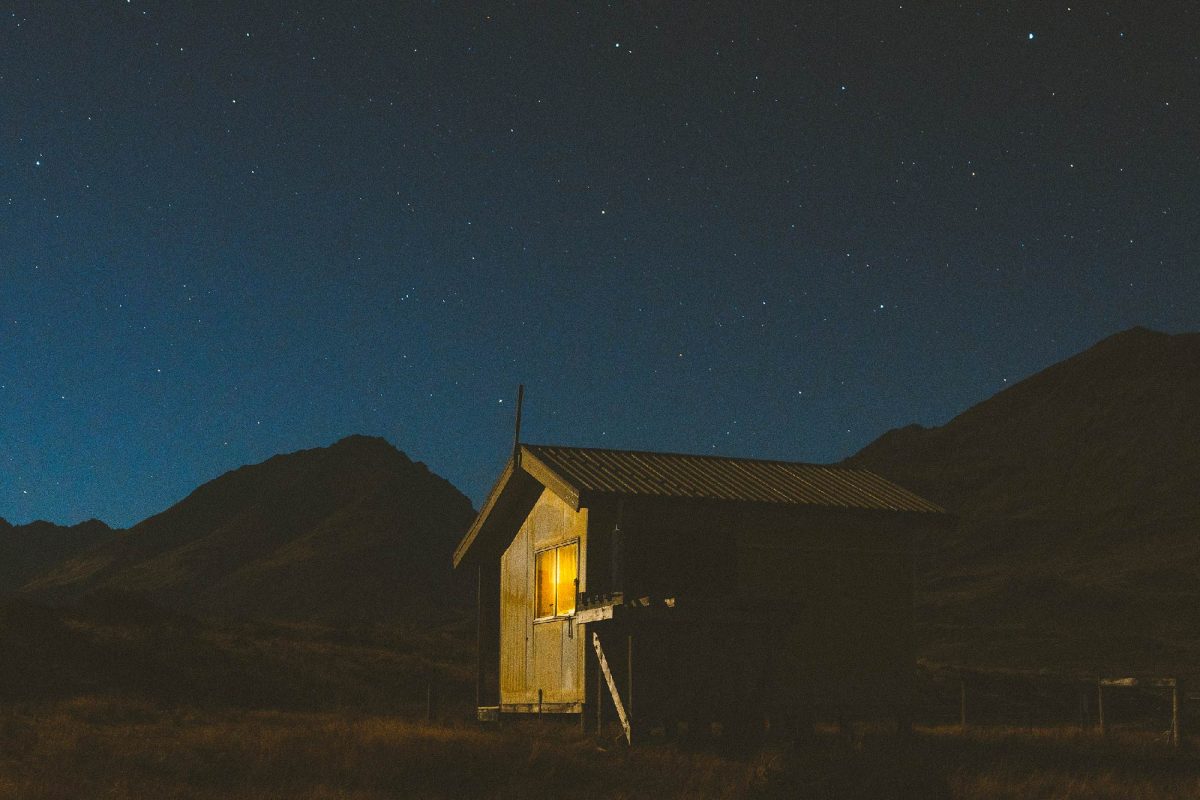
pixel 428 702
pixel 962 702
pixel 904 715
pixel 1175 713
pixel 1100 705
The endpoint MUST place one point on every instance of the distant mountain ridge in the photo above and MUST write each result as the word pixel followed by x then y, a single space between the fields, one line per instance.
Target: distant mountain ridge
pixel 1114 427
pixel 1078 544
pixel 26 550
pixel 355 530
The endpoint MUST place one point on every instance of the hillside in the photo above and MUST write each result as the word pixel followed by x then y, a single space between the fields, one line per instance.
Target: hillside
pixel 27 550
pixel 351 531
pixel 1078 540
pixel 1112 428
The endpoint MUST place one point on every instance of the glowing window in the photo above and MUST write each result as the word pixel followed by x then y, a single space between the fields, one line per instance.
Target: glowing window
pixel 557 573
pixel 544 603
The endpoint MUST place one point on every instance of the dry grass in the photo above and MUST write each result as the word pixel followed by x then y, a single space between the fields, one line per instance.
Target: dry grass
pixel 101 747
pixel 1065 762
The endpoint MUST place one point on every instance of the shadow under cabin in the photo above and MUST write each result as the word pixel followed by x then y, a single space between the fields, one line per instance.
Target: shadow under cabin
pixel 654 589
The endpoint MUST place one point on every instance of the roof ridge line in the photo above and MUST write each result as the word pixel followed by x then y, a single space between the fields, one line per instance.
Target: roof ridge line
pixel 710 456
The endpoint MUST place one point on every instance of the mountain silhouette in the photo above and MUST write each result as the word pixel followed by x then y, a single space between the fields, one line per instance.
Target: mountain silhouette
pixel 355 530
pixel 1113 428
pixel 1077 548
pixel 26 550
pixel 1079 515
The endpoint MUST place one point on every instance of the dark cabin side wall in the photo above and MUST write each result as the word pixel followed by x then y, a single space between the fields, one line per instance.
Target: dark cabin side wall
pixel 810 603
pixel 835 604
pixel 682 546
pixel 668 548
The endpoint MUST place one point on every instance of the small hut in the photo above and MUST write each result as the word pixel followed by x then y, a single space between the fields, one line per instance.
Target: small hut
pixel 661 588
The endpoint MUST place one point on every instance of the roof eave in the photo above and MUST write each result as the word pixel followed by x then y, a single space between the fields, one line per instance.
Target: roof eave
pixel 540 471
pixel 512 481
pixel 485 512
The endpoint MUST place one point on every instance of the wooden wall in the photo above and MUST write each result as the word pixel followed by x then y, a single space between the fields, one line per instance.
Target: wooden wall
pixel 548 654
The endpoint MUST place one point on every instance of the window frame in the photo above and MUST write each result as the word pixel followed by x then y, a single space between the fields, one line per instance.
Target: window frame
pixel 554 582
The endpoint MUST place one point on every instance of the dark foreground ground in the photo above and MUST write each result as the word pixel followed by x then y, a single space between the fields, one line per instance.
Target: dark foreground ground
pixel 124 700
pixel 103 747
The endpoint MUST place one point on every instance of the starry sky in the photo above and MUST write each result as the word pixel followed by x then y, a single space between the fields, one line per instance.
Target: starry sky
pixel 229 230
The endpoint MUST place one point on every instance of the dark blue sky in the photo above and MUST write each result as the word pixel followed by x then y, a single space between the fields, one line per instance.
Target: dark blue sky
pixel 229 232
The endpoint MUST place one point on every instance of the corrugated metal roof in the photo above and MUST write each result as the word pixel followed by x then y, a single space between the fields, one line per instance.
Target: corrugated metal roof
pixel 629 472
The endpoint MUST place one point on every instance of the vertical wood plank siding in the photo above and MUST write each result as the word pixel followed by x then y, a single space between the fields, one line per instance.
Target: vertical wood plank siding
pixel 545 655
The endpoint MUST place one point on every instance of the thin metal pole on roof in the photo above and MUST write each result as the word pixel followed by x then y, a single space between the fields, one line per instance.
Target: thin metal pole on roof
pixel 517 429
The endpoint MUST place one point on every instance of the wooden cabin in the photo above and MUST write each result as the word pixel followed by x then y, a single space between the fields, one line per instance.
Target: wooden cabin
pixel 657 588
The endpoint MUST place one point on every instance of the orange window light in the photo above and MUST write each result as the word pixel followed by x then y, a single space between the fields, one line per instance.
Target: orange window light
pixel 544 587
pixel 568 571
pixel 555 582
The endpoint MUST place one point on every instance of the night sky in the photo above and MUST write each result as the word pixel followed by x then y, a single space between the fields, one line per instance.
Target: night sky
pixel 229 232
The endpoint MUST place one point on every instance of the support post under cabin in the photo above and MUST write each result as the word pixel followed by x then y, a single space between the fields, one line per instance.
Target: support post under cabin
pixel 478 637
pixel 583 701
pixel 629 682
pixel 599 695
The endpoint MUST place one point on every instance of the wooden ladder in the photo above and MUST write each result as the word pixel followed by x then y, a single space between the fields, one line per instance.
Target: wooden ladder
pixel 612 688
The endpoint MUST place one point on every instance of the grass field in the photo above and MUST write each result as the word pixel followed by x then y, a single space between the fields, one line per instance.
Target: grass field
pixel 127 701
pixel 102 747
